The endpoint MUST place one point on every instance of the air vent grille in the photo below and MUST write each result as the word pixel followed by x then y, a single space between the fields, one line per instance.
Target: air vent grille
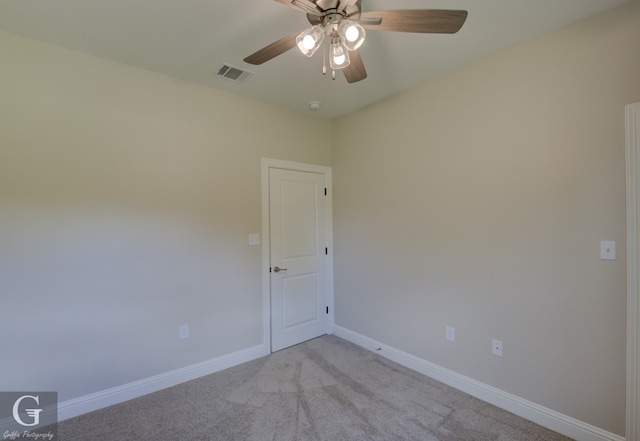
pixel 233 73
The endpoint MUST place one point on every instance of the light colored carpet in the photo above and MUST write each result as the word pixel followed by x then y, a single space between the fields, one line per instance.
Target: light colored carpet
pixel 323 389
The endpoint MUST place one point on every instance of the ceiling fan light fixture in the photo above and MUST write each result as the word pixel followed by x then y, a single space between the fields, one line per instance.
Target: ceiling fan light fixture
pixel 310 40
pixel 342 22
pixel 352 34
pixel 338 55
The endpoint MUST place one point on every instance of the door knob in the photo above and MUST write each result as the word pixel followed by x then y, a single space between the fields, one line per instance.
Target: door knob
pixel 277 270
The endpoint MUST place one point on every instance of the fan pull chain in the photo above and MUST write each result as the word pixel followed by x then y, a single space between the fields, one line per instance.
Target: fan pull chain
pixel 333 71
pixel 324 61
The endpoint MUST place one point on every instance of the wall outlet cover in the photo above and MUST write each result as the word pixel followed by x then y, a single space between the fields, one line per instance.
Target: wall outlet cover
pixel 608 250
pixel 184 332
pixel 450 334
pixel 497 348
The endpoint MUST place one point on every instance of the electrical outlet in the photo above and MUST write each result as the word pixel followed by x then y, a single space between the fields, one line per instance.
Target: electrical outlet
pixel 450 333
pixel 497 348
pixel 608 250
pixel 184 332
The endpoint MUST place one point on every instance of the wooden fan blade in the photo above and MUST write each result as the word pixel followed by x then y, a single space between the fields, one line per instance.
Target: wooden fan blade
pixel 307 6
pixel 290 3
pixel 273 50
pixel 355 71
pixel 325 5
pixel 344 3
pixel 428 21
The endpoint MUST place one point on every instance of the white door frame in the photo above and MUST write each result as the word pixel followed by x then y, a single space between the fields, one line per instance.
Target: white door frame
pixel 633 271
pixel 267 164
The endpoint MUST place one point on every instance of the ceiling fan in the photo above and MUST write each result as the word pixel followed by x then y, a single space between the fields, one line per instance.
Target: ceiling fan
pixel 343 23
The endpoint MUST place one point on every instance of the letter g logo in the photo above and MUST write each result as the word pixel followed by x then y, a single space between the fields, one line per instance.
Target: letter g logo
pixel 33 413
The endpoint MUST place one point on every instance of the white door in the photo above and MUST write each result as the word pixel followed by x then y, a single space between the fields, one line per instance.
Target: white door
pixel 298 256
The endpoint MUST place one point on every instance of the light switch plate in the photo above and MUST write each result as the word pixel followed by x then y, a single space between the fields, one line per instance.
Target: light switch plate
pixel 254 239
pixel 608 250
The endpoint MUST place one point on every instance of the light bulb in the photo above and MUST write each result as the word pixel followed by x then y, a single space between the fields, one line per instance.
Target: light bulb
pixel 339 56
pixel 310 40
pixel 351 34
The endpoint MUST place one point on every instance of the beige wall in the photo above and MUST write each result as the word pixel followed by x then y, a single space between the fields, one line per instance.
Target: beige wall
pixel 478 200
pixel 126 198
pixel 126 201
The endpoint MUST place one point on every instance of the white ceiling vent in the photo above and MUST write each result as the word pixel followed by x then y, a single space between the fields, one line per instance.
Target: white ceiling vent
pixel 233 73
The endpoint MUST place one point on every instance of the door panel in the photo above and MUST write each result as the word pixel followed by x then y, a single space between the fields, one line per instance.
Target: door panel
pixel 298 237
pixel 300 295
pixel 299 219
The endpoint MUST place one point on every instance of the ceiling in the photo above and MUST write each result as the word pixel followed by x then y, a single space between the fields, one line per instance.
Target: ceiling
pixel 191 39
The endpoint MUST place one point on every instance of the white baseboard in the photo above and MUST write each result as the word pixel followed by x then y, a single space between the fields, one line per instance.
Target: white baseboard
pixel 548 418
pixel 89 403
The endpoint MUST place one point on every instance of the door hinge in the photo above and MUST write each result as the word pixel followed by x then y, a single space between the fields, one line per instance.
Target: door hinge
pixel 327 310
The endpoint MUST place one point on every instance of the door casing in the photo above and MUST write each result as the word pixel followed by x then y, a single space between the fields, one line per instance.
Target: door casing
pixel 266 165
pixel 633 270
